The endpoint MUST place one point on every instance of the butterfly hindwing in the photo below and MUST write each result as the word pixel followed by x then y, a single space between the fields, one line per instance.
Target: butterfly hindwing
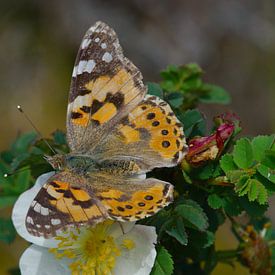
pixel 105 87
pixel 131 199
pixel 151 136
pixel 63 201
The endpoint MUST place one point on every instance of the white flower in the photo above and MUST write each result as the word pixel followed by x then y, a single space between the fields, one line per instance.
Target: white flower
pixel 108 248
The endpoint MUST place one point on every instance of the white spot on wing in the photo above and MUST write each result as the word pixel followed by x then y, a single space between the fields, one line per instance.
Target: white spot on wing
pixel 85 43
pixel 81 66
pixel 44 211
pixel 33 203
pixel 103 46
pixel 37 207
pixel 74 71
pixel 90 66
pixel 79 102
pixel 84 66
pixel 55 221
pixel 107 57
pixel 97 40
pixel 38 225
pixel 29 220
pixel 47 226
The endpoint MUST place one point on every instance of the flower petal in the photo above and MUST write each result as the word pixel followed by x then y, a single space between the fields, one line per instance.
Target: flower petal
pixel 117 229
pixel 141 258
pixel 21 208
pixel 39 261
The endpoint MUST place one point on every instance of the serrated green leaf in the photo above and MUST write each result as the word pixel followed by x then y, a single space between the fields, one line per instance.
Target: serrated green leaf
pixel 163 264
pixel 227 163
pixel 253 190
pixel 215 201
pixel 262 194
pixel 177 231
pixel 192 215
pixel 235 175
pixel 268 173
pixel 242 186
pixel 7 231
pixel 214 94
pixel 155 89
pixel 256 191
pixel 243 154
pixel 260 144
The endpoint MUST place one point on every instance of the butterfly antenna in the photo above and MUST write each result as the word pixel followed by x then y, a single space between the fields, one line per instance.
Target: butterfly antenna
pixel 19 108
pixel 15 172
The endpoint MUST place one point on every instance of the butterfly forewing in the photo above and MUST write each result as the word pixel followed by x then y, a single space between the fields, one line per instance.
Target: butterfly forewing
pixel 105 87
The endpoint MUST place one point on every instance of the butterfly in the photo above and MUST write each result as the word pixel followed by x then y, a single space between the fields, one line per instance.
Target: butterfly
pixel 116 133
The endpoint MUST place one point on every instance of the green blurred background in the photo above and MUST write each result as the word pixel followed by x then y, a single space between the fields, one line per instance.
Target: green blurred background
pixel 233 41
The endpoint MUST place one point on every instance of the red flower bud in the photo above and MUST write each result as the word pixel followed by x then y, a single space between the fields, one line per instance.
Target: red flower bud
pixel 203 149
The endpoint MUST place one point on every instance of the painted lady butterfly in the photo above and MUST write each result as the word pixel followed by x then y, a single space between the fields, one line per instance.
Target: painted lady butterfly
pixel 116 133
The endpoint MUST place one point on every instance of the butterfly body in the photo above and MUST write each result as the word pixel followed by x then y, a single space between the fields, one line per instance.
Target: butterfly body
pixel 116 133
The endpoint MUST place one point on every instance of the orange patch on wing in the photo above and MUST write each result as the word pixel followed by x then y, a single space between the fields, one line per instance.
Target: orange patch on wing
pixel 141 204
pixel 75 211
pixel 80 195
pixel 130 134
pixel 82 120
pixel 111 194
pixel 92 212
pixel 122 82
pixel 105 113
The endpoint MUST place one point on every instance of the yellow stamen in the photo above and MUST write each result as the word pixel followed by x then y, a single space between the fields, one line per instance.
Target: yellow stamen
pixel 93 250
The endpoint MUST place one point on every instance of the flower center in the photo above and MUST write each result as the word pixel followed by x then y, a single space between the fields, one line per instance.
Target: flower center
pixel 92 250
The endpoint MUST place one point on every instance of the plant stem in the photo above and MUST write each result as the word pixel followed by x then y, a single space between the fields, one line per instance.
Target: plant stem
pixel 223 255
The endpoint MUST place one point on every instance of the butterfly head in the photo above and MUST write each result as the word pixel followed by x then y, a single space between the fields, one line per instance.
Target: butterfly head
pixel 58 161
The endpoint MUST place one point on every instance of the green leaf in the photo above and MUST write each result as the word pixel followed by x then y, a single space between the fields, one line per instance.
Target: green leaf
pixel 178 232
pixel 6 201
pixel 214 94
pixel 257 191
pixel 193 215
pixel 243 154
pixel 252 208
pixel 242 186
pixel 260 144
pixel 23 180
pixel 175 99
pixel 232 206
pixel 215 201
pixel 7 231
pixel 163 264
pixel 209 239
pixel 269 159
pixel 155 89
pixel 267 172
pixel 59 137
pixel 235 175
pixel 22 143
pixel 193 121
pixel 227 163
